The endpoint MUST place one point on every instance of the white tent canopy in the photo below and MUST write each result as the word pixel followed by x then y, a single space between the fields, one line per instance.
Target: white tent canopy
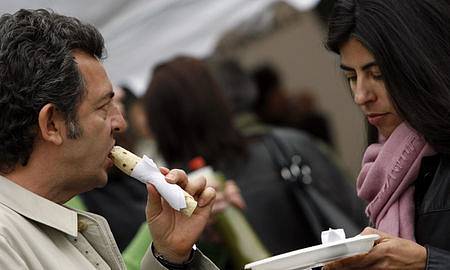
pixel 141 33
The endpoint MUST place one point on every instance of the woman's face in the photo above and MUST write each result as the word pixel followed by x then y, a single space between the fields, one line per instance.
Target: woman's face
pixel 367 85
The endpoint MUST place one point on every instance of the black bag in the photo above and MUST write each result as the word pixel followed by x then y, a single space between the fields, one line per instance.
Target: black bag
pixel 321 213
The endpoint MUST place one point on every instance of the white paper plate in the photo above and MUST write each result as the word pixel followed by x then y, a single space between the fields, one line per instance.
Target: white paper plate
pixel 316 255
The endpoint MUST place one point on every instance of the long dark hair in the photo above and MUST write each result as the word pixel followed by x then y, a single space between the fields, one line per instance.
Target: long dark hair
pixel 410 40
pixel 189 115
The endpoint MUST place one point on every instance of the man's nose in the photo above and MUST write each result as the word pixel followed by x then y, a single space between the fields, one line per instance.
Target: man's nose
pixel 119 124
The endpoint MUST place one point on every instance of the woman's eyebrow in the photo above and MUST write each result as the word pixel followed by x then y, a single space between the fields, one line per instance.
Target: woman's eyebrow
pixel 364 67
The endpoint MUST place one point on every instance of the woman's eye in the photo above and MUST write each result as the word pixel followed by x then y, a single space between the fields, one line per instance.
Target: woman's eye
pixel 378 76
pixel 351 79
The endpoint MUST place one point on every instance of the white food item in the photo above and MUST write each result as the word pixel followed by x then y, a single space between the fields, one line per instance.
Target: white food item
pixel 126 161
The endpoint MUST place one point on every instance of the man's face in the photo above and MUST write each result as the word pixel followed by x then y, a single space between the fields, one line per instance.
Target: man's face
pixel 98 119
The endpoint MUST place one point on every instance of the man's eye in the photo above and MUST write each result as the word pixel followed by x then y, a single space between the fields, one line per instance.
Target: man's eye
pixel 104 107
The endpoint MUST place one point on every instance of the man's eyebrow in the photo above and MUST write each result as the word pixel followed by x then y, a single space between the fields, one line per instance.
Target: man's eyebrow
pixel 364 67
pixel 107 96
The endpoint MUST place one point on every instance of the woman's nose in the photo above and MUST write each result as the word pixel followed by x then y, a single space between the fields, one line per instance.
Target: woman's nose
pixel 362 92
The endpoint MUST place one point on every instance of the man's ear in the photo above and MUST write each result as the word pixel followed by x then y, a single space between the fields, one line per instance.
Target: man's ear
pixel 51 124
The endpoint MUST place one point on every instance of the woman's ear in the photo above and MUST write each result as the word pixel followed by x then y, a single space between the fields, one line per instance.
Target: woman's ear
pixel 52 124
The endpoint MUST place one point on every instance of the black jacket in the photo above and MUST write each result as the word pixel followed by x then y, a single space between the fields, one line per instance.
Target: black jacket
pixel 281 225
pixel 432 201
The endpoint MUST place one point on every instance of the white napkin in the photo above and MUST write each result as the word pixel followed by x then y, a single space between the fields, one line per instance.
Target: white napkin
pixel 332 235
pixel 146 171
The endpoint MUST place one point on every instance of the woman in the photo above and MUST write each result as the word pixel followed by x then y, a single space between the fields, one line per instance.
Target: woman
pixel 396 58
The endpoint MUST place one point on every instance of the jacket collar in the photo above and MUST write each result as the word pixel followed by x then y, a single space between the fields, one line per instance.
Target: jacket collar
pixel 37 208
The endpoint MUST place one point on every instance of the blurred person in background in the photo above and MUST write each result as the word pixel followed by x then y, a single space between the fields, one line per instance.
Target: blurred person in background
pixel 190 116
pixel 307 116
pixel 272 104
pixel 396 58
pixel 275 107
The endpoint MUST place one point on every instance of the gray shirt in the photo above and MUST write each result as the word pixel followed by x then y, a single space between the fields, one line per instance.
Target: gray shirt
pixel 38 234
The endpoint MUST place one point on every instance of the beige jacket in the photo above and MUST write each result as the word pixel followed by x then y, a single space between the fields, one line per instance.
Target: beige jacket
pixel 38 234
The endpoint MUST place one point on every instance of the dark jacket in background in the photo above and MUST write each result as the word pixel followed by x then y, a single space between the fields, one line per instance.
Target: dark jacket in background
pixel 280 224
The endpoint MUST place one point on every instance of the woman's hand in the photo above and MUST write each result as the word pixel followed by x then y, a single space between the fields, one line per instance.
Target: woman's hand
pixel 389 252
pixel 173 233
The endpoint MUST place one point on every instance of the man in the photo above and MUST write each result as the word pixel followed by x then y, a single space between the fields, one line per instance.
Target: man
pixel 57 123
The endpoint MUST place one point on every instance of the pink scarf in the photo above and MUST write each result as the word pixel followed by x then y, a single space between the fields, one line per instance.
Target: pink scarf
pixel 386 180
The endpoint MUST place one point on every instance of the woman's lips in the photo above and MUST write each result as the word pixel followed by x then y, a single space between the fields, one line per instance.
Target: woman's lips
pixel 375 118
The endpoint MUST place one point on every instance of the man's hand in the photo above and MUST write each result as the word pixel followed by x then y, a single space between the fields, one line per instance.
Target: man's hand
pixel 173 233
pixel 389 252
